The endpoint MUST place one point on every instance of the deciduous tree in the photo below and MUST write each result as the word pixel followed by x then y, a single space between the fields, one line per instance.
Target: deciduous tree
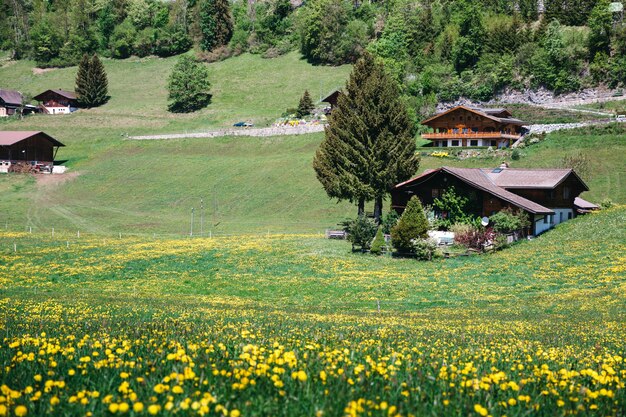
pixel 188 86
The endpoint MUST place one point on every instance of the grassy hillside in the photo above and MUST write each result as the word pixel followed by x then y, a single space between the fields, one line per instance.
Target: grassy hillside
pixel 298 325
pixel 248 184
pixel 244 88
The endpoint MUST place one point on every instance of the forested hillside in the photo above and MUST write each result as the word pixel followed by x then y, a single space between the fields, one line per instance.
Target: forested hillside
pixel 437 50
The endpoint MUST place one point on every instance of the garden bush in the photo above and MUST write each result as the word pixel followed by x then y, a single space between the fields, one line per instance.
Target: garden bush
pixel 412 225
pixel 379 242
pixel 360 231
pixel 424 249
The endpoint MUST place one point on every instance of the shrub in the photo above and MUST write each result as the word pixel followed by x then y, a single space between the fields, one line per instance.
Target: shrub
pixel 379 242
pixel 390 220
pixel 424 249
pixel 412 225
pixel 606 203
pixel 507 220
pixel 360 231
pixel 453 209
pixel 515 155
pixel 476 237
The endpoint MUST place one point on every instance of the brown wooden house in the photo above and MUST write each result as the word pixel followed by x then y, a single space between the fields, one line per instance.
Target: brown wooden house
pixel 57 101
pixel 10 102
pixel 549 196
pixel 466 126
pixel 18 148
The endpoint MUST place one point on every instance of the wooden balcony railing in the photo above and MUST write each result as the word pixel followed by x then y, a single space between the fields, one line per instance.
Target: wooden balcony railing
pixel 471 135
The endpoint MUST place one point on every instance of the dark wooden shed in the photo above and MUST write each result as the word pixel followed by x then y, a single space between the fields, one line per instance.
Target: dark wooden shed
pixel 28 146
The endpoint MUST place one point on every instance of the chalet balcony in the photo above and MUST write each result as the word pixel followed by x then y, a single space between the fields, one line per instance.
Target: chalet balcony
pixel 471 135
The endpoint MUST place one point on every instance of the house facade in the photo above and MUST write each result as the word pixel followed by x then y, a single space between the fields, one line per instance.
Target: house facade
pixel 464 126
pixel 27 149
pixel 10 102
pixel 57 101
pixel 549 196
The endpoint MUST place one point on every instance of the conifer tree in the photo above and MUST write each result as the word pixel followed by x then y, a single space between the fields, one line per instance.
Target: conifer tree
pixel 368 145
pixel 412 225
pixel 305 106
pixel 216 24
pixel 91 82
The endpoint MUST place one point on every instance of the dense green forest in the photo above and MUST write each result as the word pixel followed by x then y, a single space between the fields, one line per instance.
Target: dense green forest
pixel 435 49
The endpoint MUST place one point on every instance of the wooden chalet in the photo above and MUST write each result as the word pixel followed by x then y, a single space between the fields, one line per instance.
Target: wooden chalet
pixel 467 126
pixel 36 150
pixel 549 196
pixel 331 99
pixel 57 101
pixel 10 102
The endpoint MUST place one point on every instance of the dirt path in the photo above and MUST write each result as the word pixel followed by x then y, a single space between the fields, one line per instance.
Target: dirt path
pixel 254 131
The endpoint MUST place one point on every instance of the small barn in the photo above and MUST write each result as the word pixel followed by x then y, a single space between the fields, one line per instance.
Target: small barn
pixel 331 99
pixel 10 102
pixel 31 149
pixel 57 101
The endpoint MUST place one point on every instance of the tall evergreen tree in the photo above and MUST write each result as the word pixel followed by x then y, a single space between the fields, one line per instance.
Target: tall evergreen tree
pixel 368 145
pixel 216 23
pixel 91 82
pixel 305 106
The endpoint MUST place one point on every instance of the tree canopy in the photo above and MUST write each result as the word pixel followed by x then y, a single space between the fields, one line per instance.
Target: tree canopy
pixel 368 145
pixel 188 86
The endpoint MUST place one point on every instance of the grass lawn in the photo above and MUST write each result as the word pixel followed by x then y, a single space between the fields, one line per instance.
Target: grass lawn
pixel 298 325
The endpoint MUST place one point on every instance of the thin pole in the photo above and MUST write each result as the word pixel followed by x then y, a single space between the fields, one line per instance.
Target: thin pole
pixel 201 217
pixel 191 229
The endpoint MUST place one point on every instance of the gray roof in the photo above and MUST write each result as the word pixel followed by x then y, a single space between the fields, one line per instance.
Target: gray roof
pixel 527 178
pixel 11 97
pixel 478 178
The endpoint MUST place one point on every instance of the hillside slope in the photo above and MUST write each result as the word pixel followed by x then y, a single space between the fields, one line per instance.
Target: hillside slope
pixel 248 184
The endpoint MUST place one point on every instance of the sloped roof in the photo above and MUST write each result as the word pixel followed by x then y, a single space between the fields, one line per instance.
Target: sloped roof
pixel 488 113
pixel 11 137
pixel 334 93
pixel 530 178
pixel 11 97
pixel 478 178
pixel 70 95
pixel 584 204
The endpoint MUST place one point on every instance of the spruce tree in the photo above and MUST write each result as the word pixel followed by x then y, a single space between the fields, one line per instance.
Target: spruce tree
pixel 216 24
pixel 412 225
pixel 91 82
pixel 368 145
pixel 305 106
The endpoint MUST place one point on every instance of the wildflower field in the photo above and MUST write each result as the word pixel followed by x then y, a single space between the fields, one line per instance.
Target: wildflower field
pixel 296 325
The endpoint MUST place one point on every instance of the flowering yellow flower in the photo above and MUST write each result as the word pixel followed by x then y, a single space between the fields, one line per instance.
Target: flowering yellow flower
pixel 20 411
pixel 480 410
pixel 138 407
pixel 154 409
